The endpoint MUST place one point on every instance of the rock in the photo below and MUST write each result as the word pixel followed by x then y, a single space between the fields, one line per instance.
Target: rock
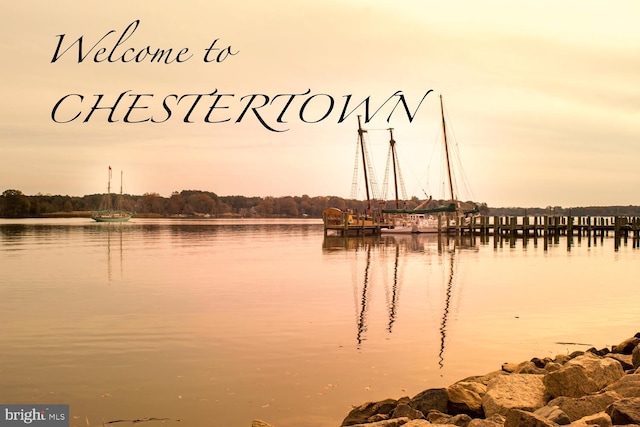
pixel 519 418
pixel 540 363
pixel 396 422
pixel 624 359
pixel 461 420
pixel 529 368
pixel 625 411
pixel 553 413
pixel 579 407
pixel 627 386
pixel 485 379
pixel 493 421
pixel 515 391
pixel 406 411
pixel 635 357
pixel 260 423
pixel 429 400
pixel 438 418
pixel 600 419
pixel 418 423
pixel 364 412
pixel 583 375
pixel 465 397
pixel 552 367
pixel 626 346
pixel 509 367
pixel 562 359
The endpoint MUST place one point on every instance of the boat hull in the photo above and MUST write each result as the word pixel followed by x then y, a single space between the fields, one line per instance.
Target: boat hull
pixel 119 219
pixel 111 216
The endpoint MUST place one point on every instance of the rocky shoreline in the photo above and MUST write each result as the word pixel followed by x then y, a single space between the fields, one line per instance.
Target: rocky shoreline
pixel 585 388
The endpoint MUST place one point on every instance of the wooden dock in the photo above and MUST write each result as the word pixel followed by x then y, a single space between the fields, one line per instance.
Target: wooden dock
pixel 551 227
pixel 504 227
pixel 350 224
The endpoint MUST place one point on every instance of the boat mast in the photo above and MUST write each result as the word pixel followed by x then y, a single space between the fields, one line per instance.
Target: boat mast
pixel 392 142
pixel 109 190
pixel 446 150
pixel 364 163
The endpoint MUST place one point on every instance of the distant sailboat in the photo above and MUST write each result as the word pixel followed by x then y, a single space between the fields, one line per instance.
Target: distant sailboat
pixel 107 213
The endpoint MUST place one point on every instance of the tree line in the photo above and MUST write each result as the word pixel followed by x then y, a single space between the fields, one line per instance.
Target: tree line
pixel 189 203
pixel 196 203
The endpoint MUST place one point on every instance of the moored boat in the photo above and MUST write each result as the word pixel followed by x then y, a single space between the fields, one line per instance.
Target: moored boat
pixel 107 213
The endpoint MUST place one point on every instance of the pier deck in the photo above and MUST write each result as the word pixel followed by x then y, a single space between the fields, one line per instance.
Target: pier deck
pixel 513 227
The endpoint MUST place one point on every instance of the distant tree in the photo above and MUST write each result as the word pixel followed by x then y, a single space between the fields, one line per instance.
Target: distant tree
pixel 153 203
pixel 176 204
pixel 286 206
pixel 15 204
pixel 265 207
pixel 200 203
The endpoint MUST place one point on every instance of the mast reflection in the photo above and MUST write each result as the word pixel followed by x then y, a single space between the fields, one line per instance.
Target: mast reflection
pixel 445 312
pixel 396 252
pixel 115 229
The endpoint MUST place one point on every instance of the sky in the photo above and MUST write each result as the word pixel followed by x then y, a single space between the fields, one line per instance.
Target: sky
pixel 541 98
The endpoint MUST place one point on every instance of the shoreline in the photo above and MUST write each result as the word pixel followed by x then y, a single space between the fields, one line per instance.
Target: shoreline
pixel 592 387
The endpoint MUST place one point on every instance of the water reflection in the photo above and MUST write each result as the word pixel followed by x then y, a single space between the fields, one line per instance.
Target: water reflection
pixel 398 250
pixel 445 313
pixel 114 229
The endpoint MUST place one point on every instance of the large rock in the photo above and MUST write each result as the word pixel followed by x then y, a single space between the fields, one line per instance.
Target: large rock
pixel 396 422
pixel 363 413
pixel 601 419
pixel 553 413
pixel 627 386
pixel 404 410
pixel 515 391
pixel 624 359
pixel 579 407
pixel 465 397
pixel 418 423
pixel 626 346
pixel 625 411
pixel 519 418
pixel 260 423
pixel 438 418
pixel 494 421
pixel 583 375
pixel 635 357
pixel 429 400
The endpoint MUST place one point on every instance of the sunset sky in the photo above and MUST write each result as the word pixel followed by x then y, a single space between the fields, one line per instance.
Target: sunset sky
pixel 543 97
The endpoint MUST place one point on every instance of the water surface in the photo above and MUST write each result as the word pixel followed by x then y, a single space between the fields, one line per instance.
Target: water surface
pixel 216 322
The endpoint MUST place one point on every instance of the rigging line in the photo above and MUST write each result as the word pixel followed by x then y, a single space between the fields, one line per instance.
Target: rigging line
pixel 385 182
pixel 431 157
pixel 400 158
pixel 371 170
pixel 458 159
pixel 354 182
pixel 400 178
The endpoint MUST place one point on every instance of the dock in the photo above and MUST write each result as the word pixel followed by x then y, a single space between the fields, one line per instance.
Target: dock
pixel 352 224
pixel 550 227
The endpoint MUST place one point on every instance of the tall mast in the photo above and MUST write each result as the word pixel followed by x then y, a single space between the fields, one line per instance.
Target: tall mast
pixel 109 190
pixel 364 163
pixel 446 150
pixel 392 142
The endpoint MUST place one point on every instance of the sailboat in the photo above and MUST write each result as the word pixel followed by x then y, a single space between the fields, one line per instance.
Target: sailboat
pixel 107 213
pixel 424 220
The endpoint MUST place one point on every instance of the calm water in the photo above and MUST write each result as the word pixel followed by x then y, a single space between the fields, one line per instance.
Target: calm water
pixel 215 323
